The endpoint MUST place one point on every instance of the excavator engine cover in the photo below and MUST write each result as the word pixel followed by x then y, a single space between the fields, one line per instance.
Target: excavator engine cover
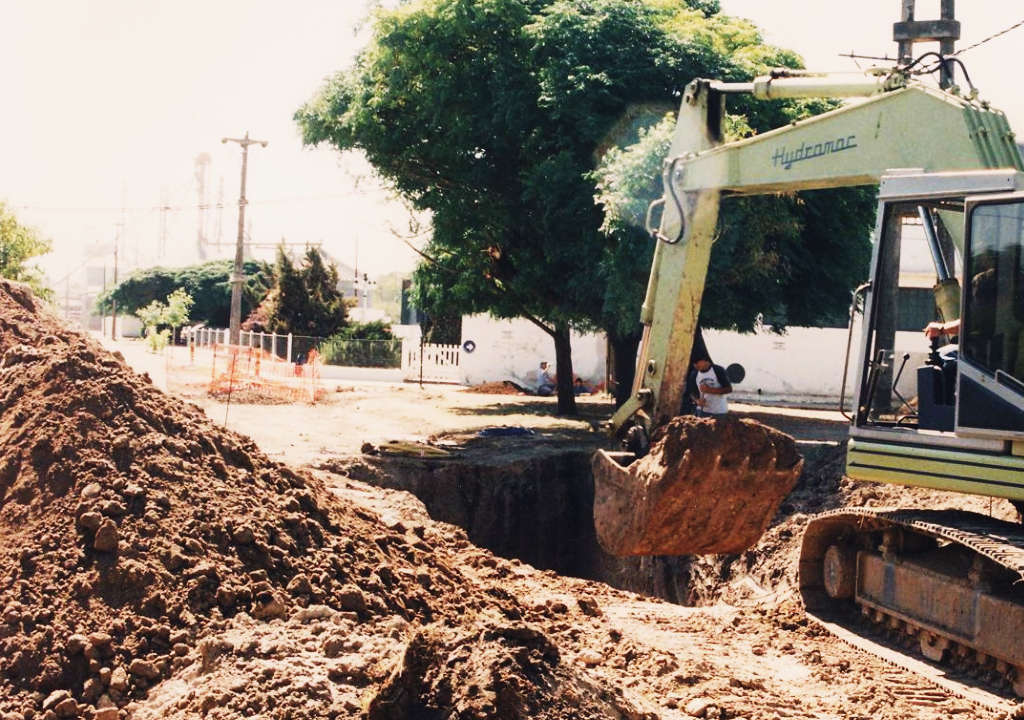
pixel 707 486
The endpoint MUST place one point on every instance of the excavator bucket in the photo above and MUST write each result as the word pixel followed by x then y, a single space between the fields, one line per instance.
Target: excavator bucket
pixel 707 486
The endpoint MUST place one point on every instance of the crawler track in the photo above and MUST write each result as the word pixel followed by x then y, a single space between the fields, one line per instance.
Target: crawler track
pixel 975 667
pixel 937 683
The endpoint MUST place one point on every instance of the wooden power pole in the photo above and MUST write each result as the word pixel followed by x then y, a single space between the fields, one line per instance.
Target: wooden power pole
pixel 113 301
pixel 238 276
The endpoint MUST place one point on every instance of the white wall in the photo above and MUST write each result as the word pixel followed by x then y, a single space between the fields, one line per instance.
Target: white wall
pixel 127 326
pixel 406 332
pixel 513 349
pixel 804 364
pixel 365 315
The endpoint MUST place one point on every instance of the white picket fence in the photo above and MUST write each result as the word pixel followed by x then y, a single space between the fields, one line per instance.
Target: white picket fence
pixel 277 345
pixel 440 363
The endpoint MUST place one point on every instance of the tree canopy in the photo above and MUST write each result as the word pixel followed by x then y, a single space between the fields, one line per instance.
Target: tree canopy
pixel 18 245
pixel 208 284
pixel 495 114
pixel 306 299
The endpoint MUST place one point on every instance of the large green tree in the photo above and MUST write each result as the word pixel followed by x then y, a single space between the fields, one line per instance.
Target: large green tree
pixel 18 245
pixel 208 284
pixel 494 114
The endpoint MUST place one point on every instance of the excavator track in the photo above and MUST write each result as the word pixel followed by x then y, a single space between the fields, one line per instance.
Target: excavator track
pixel 936 685
pixel 937 593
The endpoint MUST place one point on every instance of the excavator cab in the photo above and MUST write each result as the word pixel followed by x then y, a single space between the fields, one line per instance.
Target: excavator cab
pixel 947 417
pixel 955 255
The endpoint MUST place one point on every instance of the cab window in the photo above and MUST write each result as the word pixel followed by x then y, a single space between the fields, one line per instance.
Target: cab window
pixel 994 291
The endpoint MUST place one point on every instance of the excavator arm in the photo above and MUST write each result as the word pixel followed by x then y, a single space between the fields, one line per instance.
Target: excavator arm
pixel 712 486
pixel 898 124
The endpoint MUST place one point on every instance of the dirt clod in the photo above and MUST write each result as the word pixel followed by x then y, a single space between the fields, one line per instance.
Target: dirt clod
pixel 106 536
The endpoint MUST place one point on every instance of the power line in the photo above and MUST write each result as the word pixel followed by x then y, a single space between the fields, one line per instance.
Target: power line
pixel 990 37
pixel 189 207
pixel 961 51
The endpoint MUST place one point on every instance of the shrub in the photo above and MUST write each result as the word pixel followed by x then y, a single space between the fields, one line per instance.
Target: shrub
pixel 337 350
pixel 159 320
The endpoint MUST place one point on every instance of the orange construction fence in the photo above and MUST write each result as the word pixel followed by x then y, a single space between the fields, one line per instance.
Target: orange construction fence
pixel 239 373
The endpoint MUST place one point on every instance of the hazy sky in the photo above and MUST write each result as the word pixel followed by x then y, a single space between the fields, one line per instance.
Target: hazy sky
pixel 108 102
pixel 820 31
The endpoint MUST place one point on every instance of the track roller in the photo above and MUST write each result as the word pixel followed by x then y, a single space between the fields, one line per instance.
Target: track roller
pixel 933 646
pixel 839 569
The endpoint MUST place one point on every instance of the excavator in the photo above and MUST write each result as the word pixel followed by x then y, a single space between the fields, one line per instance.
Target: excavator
pixel 925 414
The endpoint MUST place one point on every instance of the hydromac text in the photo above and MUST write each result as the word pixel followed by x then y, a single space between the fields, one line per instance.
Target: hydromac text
pixel 807 151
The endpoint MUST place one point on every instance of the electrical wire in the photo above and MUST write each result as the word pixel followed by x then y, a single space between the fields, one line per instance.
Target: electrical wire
pixel 191 206
pixel 942 62
pixel 990 37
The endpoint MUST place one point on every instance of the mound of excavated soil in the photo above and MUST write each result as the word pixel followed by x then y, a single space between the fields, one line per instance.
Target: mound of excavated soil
pixel 155 563
pixel 496 388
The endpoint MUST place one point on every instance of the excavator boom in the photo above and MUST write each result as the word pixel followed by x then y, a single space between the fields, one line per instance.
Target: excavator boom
pixel 899 124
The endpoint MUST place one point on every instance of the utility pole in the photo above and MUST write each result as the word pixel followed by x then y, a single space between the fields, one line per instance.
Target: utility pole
pixel 945 31
pixel 113 301
pixel 202 164
pixel 164 207
pixel 238 277
pixel 117 245
pixel 355 279
pixel 220 210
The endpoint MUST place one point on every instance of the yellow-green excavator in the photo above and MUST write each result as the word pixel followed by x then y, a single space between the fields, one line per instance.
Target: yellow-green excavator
pixel 950 180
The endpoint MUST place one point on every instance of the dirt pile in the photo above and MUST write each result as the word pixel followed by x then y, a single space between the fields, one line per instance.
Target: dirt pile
pixel 155 565
pixel 706 486
pixel 503 670
pixel 504 387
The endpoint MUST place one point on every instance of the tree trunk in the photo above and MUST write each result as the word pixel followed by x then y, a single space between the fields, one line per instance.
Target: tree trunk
pixel 563 369
pixel 624 349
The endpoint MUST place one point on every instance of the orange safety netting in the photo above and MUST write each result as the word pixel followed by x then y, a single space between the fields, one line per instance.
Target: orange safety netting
pixel 237 373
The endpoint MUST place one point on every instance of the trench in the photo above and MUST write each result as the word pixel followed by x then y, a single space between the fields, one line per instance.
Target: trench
pixel 534 505
pixel 532 498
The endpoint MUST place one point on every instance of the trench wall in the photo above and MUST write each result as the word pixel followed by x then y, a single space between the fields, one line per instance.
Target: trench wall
pixel 536 508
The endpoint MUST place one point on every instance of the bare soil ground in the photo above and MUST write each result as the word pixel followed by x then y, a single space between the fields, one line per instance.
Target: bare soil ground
pixel 156 565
